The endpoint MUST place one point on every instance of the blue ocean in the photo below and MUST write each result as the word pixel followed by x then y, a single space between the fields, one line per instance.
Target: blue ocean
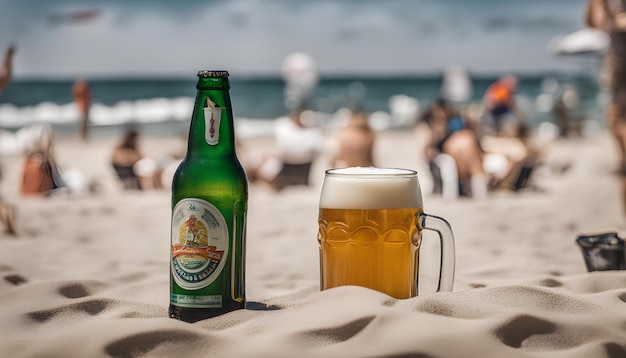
pixel 163 106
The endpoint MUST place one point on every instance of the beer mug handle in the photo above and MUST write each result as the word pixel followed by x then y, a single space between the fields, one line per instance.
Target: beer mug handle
pixel 446 239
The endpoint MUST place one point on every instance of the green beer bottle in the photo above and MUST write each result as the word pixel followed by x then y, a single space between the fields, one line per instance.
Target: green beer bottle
pixel 209 203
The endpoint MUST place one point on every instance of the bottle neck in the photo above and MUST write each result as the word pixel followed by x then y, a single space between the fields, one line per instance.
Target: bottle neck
pixel 212 131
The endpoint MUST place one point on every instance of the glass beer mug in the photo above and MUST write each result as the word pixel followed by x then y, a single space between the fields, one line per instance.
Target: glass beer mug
pixel 370 230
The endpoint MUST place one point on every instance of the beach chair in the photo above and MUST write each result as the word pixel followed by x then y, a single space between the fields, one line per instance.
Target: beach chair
pixel 448 176
pixel 127 176
pixel 525 173
pixel 293 174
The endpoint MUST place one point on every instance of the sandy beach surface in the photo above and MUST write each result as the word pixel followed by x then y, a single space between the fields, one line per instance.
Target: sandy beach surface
pixel 88 274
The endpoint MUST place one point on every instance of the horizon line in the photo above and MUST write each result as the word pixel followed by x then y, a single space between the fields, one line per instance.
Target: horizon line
pixel 329 75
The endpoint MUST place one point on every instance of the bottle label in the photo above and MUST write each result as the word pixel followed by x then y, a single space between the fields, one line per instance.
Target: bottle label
pixel 212 118
pixel 199 245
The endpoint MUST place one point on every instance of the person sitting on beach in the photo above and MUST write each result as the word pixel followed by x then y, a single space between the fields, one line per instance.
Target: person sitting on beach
pixel 40 174
pixel 354 143
pixel 297 145
pixel 125 155
pixel 138 171
pixel 446 133
pixel 508 160
pixel 503 136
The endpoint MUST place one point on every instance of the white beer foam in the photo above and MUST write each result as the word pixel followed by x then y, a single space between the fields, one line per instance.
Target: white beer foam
pixel 372 171
pixel 371 188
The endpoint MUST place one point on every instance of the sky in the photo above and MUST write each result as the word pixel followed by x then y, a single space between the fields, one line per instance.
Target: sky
pixel 252 37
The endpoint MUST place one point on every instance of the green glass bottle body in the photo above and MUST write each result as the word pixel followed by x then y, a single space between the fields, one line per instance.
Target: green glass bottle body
pixel 209 205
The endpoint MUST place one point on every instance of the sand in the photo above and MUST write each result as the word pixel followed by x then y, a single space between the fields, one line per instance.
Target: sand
pixel 88 274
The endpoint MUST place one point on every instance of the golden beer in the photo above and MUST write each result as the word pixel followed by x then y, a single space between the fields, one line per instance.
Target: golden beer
pixel 369 230
pixel 370 248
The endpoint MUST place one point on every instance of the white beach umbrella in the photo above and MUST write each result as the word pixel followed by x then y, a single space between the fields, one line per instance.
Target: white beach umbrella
pixel 583 41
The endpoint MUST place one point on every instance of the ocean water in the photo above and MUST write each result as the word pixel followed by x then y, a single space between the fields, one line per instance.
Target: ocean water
pixel 163 106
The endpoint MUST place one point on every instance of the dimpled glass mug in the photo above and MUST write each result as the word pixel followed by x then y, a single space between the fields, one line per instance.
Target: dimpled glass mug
pixel 370 230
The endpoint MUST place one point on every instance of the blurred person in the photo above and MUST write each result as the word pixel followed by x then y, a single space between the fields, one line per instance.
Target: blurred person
pixel 354 143
pixel 297 145
pixel 138 171
pixel 456 85
pixel 125 155
pixel 504 134
pixel 567 112
pixel 82 98
pixel 6 71
pixel 502 156
pixel 502 116
pixel 610 16
pixel 446 133
pixel 7 210
pixel 300 74
pixel 509 161
pixel 40 173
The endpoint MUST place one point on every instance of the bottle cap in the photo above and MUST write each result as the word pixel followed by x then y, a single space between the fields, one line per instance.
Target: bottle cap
pixel 207 73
